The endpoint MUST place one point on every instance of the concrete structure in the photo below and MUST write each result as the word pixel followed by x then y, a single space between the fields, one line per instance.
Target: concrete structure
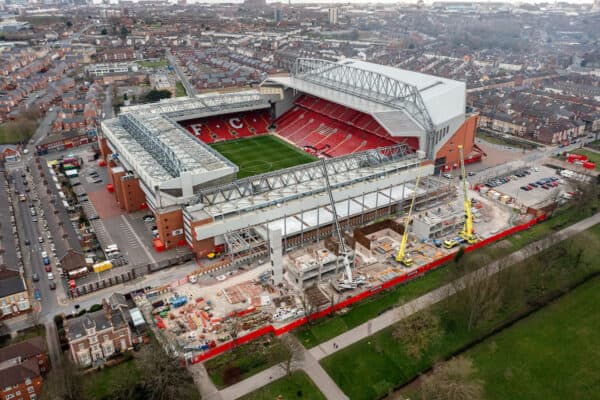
pixel 111 68
pixel 437 223
pixel 333 15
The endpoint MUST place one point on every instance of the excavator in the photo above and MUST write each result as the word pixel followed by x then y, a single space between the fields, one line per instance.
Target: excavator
pixel 467 233
pixel 401 256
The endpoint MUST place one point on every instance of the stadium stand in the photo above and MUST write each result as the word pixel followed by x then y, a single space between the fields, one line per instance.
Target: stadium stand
pixel 328 129
pixel 228 127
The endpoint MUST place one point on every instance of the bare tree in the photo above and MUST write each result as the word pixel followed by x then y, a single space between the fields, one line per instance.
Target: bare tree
pixel 452 380
pixel 478 296
pixel 64 382
pixel 418 331
pixel 307 307
pixel 291 352
pixel 163 376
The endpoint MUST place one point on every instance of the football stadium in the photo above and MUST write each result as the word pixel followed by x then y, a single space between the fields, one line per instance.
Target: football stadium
pixel 231 172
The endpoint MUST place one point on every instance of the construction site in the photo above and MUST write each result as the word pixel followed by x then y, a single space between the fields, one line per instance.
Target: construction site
pixel 277 243
pixel 203 312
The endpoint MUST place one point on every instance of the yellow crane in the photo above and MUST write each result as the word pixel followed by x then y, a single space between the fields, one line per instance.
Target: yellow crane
pixel 401 257
pixel 467 233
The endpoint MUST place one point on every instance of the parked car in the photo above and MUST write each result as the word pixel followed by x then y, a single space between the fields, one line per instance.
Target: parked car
pixel 48 268
pixel 52 285
pixel 37 294
pixel 50 276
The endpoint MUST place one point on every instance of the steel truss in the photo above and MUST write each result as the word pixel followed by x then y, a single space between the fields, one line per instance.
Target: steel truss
pixel 203 104
pixel 150 141
pixel 295 176
pixel 370 85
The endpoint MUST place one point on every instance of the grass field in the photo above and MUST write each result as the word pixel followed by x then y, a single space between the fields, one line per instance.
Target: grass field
pixel 296 386
pixel 592 156
pixel 244 361
pixel 100 385
pixel 180 90
pixel 526 362
pixel 497 139
pixel 257 155
pixel 372 367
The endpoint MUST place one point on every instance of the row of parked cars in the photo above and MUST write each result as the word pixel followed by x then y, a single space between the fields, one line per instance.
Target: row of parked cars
pixel 545 183
pixel 505 179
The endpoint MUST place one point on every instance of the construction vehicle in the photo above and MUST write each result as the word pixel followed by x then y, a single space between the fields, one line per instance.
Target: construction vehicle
pixel 467 233
pixel 451 243
pixel 348 281
pixel 401 256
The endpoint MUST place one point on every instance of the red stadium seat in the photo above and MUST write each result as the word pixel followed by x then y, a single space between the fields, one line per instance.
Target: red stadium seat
pixel 331 130
pixel 228 127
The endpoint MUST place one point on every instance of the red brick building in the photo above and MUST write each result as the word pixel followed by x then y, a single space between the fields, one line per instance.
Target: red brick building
pixel 94 337
pixel 22 366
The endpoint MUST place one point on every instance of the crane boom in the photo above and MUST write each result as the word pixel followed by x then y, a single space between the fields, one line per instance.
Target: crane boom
pixel 400 257
pixel 336 222
pixel 467 233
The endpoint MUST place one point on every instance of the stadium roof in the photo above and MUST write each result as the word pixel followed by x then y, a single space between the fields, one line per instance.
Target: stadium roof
pixel 159 150
pixel 405 103
pixel 202 105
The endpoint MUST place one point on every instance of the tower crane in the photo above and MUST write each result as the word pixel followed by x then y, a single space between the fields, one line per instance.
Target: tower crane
pixel 467 233
pixel 401 257
pixel 348 282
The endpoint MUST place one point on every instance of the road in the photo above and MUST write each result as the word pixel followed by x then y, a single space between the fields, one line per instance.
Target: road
pixel 107 108
pixel 189 88
pixel 310 364
pixel 43 129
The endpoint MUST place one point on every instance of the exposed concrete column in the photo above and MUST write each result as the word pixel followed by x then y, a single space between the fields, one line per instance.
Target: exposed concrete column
pixel 276 254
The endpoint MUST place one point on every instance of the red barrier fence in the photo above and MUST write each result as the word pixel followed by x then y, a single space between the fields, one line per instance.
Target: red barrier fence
pixel 361 296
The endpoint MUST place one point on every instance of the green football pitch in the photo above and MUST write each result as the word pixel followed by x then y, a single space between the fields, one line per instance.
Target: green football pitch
pixel 257 155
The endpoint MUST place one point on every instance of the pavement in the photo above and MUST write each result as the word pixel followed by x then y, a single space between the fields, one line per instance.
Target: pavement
pixel 312 356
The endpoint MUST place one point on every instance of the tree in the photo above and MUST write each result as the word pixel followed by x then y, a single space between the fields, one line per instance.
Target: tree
pixel 291 352
pixel 307 307
pixel 163 376
pixel 418 331
pixel 123 33
pixel 478 293
pixel 64 382
pixel 103 31
pixel 69 24
pixel 452 380
pixel 156 95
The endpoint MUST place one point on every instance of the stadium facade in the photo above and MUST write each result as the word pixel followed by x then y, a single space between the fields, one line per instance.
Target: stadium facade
pixel 370 126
